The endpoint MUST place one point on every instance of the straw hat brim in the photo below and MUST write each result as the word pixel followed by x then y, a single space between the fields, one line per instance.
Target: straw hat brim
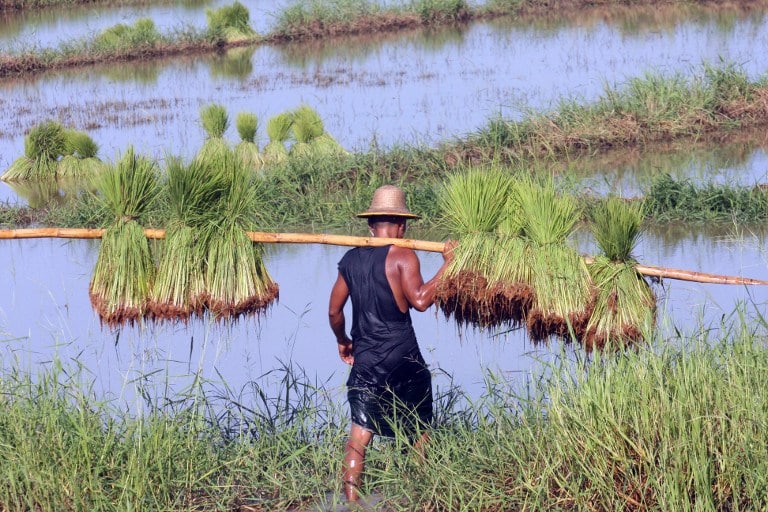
pixel 385 213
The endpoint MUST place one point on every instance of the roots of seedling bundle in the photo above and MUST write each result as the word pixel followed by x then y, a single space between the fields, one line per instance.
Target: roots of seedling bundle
pixel 469 299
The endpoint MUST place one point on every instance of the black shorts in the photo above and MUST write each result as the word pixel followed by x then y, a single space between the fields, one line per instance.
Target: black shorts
pixel 400 401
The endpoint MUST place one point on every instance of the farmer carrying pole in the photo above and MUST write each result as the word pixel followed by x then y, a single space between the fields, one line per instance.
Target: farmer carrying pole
pixel 389 385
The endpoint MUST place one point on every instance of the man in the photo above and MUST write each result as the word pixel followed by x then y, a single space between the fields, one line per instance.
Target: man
pixel 389 386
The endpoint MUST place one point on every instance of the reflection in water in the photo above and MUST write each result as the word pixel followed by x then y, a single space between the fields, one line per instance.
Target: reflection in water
pixel 629 173
pixel 142 73
pixel 46 193
pixel 233 63
pixel 637 19
pixel 356 48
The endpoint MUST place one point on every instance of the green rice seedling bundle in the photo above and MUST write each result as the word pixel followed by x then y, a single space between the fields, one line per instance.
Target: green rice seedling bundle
pixel 310 135
pixel 278 131
pixel 79 158
pixel 247 150
pixel 230 23
pixel 558 273
pixel 43 146
pixel 236 280
pixel 509 277
pixel 624 305
pixel 306 127
pixel 473 203
pixel 215 121
pixel 191 192
pixel 124 271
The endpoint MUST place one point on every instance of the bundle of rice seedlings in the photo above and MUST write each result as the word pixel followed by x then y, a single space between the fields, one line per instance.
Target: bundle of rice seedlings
pixel 310 136
pixel 247 150
pixel 230 23
pixel 79 156
pixel 278 131
pixel 557 273
pixel 190 193
pixel 125 269
pixel 473 203
pixel 624 305
pixel 306 126
pixel 43 146
pixel 215 121
pixel 236 280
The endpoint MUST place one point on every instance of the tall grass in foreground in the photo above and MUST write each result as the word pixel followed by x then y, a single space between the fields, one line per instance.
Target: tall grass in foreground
pixel 678 424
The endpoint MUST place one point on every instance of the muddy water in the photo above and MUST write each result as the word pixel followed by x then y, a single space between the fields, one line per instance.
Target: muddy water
pixel 409 88
pixel 45 313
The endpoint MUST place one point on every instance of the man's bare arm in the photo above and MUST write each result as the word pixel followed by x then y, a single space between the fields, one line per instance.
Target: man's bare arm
pixel 339 296
pixel 420 295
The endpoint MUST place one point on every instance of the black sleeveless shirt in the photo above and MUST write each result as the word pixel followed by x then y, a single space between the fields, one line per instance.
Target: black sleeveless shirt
pixel 382 335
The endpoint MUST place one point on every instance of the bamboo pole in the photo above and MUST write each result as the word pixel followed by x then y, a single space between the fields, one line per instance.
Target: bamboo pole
pixel 361 241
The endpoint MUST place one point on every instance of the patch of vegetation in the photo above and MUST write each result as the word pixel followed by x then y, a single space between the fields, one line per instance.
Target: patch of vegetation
pixel 650 109
pixel 675 424
pixel 669 199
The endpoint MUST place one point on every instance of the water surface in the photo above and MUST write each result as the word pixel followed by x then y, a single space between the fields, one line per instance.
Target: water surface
pixel 45 313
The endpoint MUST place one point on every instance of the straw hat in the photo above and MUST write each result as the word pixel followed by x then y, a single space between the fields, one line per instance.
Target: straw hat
pixel 389 200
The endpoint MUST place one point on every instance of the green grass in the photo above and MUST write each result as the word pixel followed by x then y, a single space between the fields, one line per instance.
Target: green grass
pixel 677 424
pixel 649 109
pixel 669 199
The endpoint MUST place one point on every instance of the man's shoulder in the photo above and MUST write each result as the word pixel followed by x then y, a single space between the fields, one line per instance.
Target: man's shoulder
pixel 398 253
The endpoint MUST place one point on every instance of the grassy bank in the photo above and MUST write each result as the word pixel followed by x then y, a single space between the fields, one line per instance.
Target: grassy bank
pixel 675 425
pixel 650 109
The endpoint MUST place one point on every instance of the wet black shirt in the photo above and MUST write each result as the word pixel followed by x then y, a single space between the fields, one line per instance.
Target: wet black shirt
pixel 389 376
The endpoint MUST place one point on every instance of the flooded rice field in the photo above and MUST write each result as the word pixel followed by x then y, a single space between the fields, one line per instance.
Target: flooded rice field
pixel 398 89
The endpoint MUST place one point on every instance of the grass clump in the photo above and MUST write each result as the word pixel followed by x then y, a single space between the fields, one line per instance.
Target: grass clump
pixel 649 109
pixel 472 290
pixel 248 149
pixel 558 273
pixel 189 194
pixel 309 135
pixel 80 157
pixel 624 305
pixel 674 424
pixel 670 199
pixel 230 23
pixel 278 131
pixel 215 121
pixel 43 146
pixel 442 11
pixel 124 271
pixel 122 37
pixel 236 281
pixel 297 20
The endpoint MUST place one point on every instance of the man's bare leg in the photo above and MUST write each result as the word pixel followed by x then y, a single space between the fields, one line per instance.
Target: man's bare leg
pixel 354 460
